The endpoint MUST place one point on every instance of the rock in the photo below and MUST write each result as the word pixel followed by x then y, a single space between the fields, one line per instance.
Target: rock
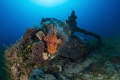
pixel 116 58
pixel 39 74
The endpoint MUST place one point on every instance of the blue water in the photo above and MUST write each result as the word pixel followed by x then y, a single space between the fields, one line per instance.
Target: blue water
pixel 99 16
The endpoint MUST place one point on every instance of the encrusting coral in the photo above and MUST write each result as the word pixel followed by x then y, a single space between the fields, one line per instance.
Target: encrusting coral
pixel 51 37
pixel 37 48
pixel 30 33
pixel 40 35
pixel 37 51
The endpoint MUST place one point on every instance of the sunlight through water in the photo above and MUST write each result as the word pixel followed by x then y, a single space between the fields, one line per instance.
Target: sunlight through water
pixel 49 3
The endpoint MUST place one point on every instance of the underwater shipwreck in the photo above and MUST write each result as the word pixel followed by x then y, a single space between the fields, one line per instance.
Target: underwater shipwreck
pixel 50 52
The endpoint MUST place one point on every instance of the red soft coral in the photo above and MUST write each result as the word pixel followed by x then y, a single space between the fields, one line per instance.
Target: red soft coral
pixel 52 41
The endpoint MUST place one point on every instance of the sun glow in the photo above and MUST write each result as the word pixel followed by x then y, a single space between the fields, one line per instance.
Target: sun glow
pixel 49 3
